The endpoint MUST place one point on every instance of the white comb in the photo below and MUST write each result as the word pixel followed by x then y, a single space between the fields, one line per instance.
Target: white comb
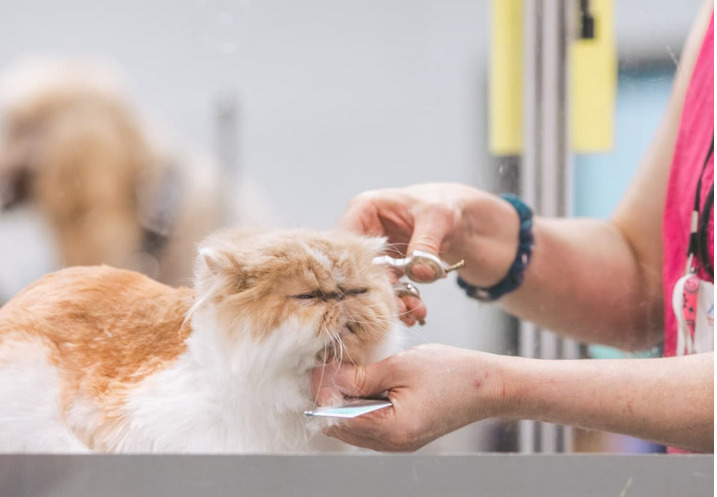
pixel 350 409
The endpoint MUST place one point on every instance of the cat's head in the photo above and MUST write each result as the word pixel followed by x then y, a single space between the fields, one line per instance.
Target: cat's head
pixel 315 289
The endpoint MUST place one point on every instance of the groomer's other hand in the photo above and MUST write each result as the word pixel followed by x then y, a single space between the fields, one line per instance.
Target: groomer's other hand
pixel 450 220
pixel 435 389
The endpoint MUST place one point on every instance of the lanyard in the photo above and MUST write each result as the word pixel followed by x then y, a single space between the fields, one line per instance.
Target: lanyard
pixel 698 223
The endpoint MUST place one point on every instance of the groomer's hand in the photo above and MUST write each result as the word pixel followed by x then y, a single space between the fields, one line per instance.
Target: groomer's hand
pixel 435 389
pixel 452 221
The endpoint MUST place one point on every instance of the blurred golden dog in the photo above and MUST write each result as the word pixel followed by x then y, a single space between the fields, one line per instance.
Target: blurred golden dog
pixel 74 148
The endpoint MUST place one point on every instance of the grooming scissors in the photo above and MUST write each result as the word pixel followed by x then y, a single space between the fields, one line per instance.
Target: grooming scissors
pixel 406 266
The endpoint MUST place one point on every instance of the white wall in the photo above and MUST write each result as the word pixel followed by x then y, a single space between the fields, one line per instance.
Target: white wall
pixel 338 96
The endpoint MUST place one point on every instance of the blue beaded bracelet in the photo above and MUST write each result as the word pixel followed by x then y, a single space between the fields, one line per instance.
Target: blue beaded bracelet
pixel 516 273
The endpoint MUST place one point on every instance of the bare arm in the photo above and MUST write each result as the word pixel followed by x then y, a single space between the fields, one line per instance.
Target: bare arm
pixel 669 401
pixel 586 281
pixel 597 280
pixel 436 389
pixel 602 281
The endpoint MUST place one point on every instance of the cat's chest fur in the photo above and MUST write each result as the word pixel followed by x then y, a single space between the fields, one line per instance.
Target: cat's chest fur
pixel 241 397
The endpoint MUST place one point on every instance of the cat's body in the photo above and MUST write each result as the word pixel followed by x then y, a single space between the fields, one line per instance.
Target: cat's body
pixel 108 360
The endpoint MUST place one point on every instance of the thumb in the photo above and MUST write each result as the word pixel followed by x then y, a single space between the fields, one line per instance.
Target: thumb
pixel 330 381
pixel 430 229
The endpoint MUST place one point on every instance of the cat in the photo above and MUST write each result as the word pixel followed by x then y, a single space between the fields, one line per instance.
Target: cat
pixel 98 359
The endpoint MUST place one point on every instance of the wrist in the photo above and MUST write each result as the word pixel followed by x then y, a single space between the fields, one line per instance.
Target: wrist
pixel 517 374
pixel 490 237
pixel 494 392
pixel 543 389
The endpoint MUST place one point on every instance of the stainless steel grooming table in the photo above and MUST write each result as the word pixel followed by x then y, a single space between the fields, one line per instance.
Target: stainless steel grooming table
pixel 492 475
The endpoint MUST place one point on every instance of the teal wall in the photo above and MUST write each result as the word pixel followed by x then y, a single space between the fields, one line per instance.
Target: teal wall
pixel 602 179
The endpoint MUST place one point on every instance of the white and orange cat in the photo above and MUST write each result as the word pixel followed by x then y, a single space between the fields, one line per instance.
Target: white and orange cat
pixel 106 360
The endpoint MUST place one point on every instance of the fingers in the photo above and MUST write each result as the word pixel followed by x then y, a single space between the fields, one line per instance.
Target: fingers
pixel 323 387
pixel 385 430
pixel 411 310
pixel 397 213
pixel 362 216
pixel 334 381
pixel 381 213
pixel 351 438
pixel 409 423
pixel 368 431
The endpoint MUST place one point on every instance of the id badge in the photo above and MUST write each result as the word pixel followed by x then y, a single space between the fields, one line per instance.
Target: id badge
pixel 693 304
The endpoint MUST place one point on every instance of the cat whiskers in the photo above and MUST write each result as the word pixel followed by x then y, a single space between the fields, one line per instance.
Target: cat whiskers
pixel 417 334
pixel 334 342
pixel 393 250
pixel 337 342
pixel 321 378
pixel 384 321
pixel 200 301
pixel 325 359
pixel 338 348
pixel 333 347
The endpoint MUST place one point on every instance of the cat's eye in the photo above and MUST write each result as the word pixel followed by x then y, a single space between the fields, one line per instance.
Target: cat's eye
pixel 356 291
pixel 305 296
pixel 340 295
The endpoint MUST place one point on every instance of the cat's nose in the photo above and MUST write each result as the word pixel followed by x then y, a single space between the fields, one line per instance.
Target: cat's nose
pixel 338 296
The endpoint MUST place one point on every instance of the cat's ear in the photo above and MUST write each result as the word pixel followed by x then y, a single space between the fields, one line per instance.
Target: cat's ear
pixel 222 265
pixel 216 261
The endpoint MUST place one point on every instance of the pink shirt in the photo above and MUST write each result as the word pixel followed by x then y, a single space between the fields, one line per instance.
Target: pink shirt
pixel 693 143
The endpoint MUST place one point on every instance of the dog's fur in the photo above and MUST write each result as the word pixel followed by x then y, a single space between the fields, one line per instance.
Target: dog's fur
pixel 75 148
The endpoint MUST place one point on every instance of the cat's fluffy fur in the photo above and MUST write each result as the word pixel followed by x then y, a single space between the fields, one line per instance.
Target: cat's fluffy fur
pixel 107 360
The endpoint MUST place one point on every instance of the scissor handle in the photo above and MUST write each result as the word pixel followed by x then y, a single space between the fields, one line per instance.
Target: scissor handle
pixel 418 257
pixel 426 259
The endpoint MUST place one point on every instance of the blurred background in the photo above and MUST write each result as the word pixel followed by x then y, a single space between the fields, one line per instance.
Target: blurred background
pixel 131 129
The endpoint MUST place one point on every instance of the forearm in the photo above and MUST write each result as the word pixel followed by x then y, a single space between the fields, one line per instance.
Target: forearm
pixel 585 281
pixel 669 401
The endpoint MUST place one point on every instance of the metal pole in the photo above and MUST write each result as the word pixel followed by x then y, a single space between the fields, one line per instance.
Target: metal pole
pixel 545 174
pixel 529 337
pixel 553 127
